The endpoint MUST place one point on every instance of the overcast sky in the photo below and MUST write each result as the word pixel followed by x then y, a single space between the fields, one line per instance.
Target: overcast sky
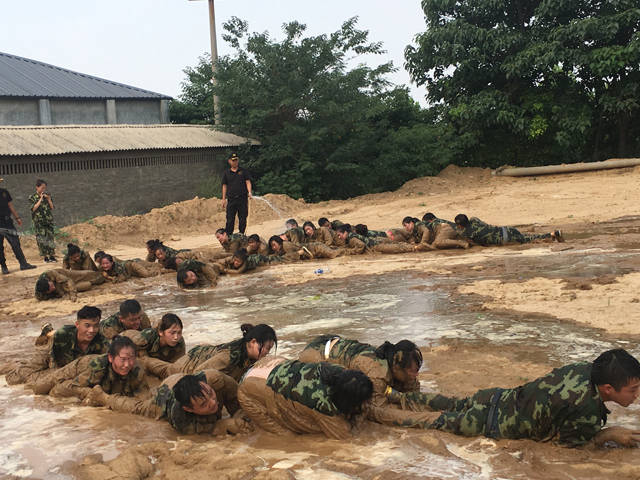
pixel 147 43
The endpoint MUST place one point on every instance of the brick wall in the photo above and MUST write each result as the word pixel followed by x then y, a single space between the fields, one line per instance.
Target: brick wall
pixel 123 183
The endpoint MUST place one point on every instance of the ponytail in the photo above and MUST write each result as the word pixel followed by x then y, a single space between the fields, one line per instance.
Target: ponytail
pixel 348 389
pixel 402 354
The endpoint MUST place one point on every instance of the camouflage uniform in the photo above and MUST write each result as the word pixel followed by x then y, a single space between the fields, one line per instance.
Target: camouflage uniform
pixel 437 233
pixel 64 346
pixel 320 250
pixel 289 252
pixel 357 244
pixel 78 378
pixel 112 326
pixel 69 282
pixel 251 263
pixel 207 277
pixel 43 225
pixel 482 233
pixel 235 242
pixel 148 343
pixel 400 235
pixel 123 271
pixel 229 358
pixel 263 249
pixel 322 235
pixel 564 405
pixel 376 233
pixel 163 404
pixel 85 262
pixel 296 235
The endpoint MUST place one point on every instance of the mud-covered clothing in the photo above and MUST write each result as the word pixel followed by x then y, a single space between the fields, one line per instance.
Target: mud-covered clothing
pixel 335 224
pixel 263 249
pixel 235 242
pixel 296 235
pixel 389 247
pixel 376 233
pixel 356 356
pixel 69 282
pixel 444 235
pixel 355 244
pixel 564 406
pixel 421 234
pixel 251 263
pixel 482 233
pixel 123 271
pixel 162 403
pixel 65 349
pixel 112 326
pixel 43 225
pixel 321 235
pixel 289 252
pixel 399 235
pixel 148 344
pixel 85 262
pixel 320 250
pixel 206 275
pixel 229 358
pixel 80 376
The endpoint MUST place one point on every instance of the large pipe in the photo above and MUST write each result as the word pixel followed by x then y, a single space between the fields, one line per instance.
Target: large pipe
pixel 507 171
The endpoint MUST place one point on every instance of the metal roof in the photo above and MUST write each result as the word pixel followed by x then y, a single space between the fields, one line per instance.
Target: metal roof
pixel 59 139
pixel 23 77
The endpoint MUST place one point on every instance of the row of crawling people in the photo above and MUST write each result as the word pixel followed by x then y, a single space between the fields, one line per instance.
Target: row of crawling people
pixel 332 387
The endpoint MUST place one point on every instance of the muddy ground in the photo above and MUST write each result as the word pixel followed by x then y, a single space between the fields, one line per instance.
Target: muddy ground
pixel 483 317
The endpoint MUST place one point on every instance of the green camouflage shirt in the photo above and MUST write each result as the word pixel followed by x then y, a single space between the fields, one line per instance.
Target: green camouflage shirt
pixel 368 241
pixel 376 233
pixel 150 342
pixel 301 382
pixel 439 221
pixel 64 347
pixel 99 372
pixel 233 356
pixel 482 233
pixel 43 214
pixel 235 242
pixel 57 293
pixel 83 263
pixel 184 422
pixel 295 235
pixel 257 260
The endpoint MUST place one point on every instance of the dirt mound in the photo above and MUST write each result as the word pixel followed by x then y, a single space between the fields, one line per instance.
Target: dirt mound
pixel 470 174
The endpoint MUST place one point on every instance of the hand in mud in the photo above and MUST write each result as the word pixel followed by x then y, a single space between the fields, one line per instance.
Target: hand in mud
pixel 243 422
pixel 95 398
pixel 225 426
pixel 620 435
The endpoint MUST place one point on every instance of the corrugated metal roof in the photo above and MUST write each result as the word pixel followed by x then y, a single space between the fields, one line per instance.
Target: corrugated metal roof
pixel 58 139
pixel 23 77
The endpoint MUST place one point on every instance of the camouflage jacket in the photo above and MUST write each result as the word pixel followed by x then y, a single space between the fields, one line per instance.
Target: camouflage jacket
pixel 295 235
pixel 64 347
pixel 254 261
pixel 148 343
pixel 99 372
pixel 235 242
pixel 206 275
pixel 321 235
pixel 263 249
pixel 335 224
pixel 439 221
pixel 184 422
pixel 229 358
pixel 64 285
pixel 376 233
pixel 482 233
pixel 43 214
pixel 301 382
pixel 112 326
pixel 421 233
pixel 119 270
pixel 84 262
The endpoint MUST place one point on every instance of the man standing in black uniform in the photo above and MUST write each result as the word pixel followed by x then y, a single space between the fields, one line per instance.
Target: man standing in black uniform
pixel 236 190
pixel 8 231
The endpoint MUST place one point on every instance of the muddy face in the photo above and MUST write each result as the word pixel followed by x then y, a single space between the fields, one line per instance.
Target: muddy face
pixel 171 336
pixel 124 361
pixel 132 321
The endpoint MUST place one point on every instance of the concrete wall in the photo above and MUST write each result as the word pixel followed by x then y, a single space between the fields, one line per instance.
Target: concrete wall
pixel 120 183
pixel 138 111
pixel 78 112
pixel 18 111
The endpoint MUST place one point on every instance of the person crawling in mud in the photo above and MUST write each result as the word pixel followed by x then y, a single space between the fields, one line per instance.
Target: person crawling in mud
pixel 59 283
pixel 232 242
pixel 77 259
pixel 117 271
pixel 194 274
pixel 62 347
pixel 257 246
pixel 481 233
pixel 190 403
pixel 242 262
pixel 357 244
pixel 130 316
pixel 163 342
pixel 566 406
pixel 233 358
pixel 117 372
pixel 287 251
pixel 362 229
pixel 433 233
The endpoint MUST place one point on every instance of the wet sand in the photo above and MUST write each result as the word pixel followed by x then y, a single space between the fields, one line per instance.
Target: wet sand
pixel 483 317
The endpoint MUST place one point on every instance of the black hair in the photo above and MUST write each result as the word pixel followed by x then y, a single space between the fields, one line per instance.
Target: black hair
pixel 308 224
pixel 292 221
pixel 170 263
pixel 361 229
pixel 128 307
pixel 409 353
pixel 615 367
pixel 254 237
pixel 72 249
pixel 98 254
pixel 348 390
pixel 261 333
pixel 40 182
pixel 152 244
pixel 322 221
pixel 241 254
pixel 107 256
pixel 181 276
pixel 462 220
pixel 89 312
pixel 220 231
pixel 277 239
pixel 186 388
pixel 168 320
pixel 118 343
pixel 42 285
pixel 343 228
pixel 427 217
pixel 408 219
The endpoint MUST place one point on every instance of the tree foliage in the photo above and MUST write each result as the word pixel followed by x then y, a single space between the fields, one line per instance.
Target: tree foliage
pixel 532 82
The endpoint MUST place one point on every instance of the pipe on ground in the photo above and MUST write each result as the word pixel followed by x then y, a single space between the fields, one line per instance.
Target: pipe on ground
pixel 507 171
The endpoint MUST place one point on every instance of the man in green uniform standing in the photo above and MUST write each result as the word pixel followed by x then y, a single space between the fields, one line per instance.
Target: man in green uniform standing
pixel 566 405
pixel 42 215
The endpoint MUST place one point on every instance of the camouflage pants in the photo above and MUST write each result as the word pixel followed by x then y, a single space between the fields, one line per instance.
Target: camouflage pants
pixel 45 239
pixel 320 250
pixel 392 247
pixel 32 369
pixel 510 235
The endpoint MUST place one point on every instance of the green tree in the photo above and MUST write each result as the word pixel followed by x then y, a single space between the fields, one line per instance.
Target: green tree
pixel 195 104
pixel 530 82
